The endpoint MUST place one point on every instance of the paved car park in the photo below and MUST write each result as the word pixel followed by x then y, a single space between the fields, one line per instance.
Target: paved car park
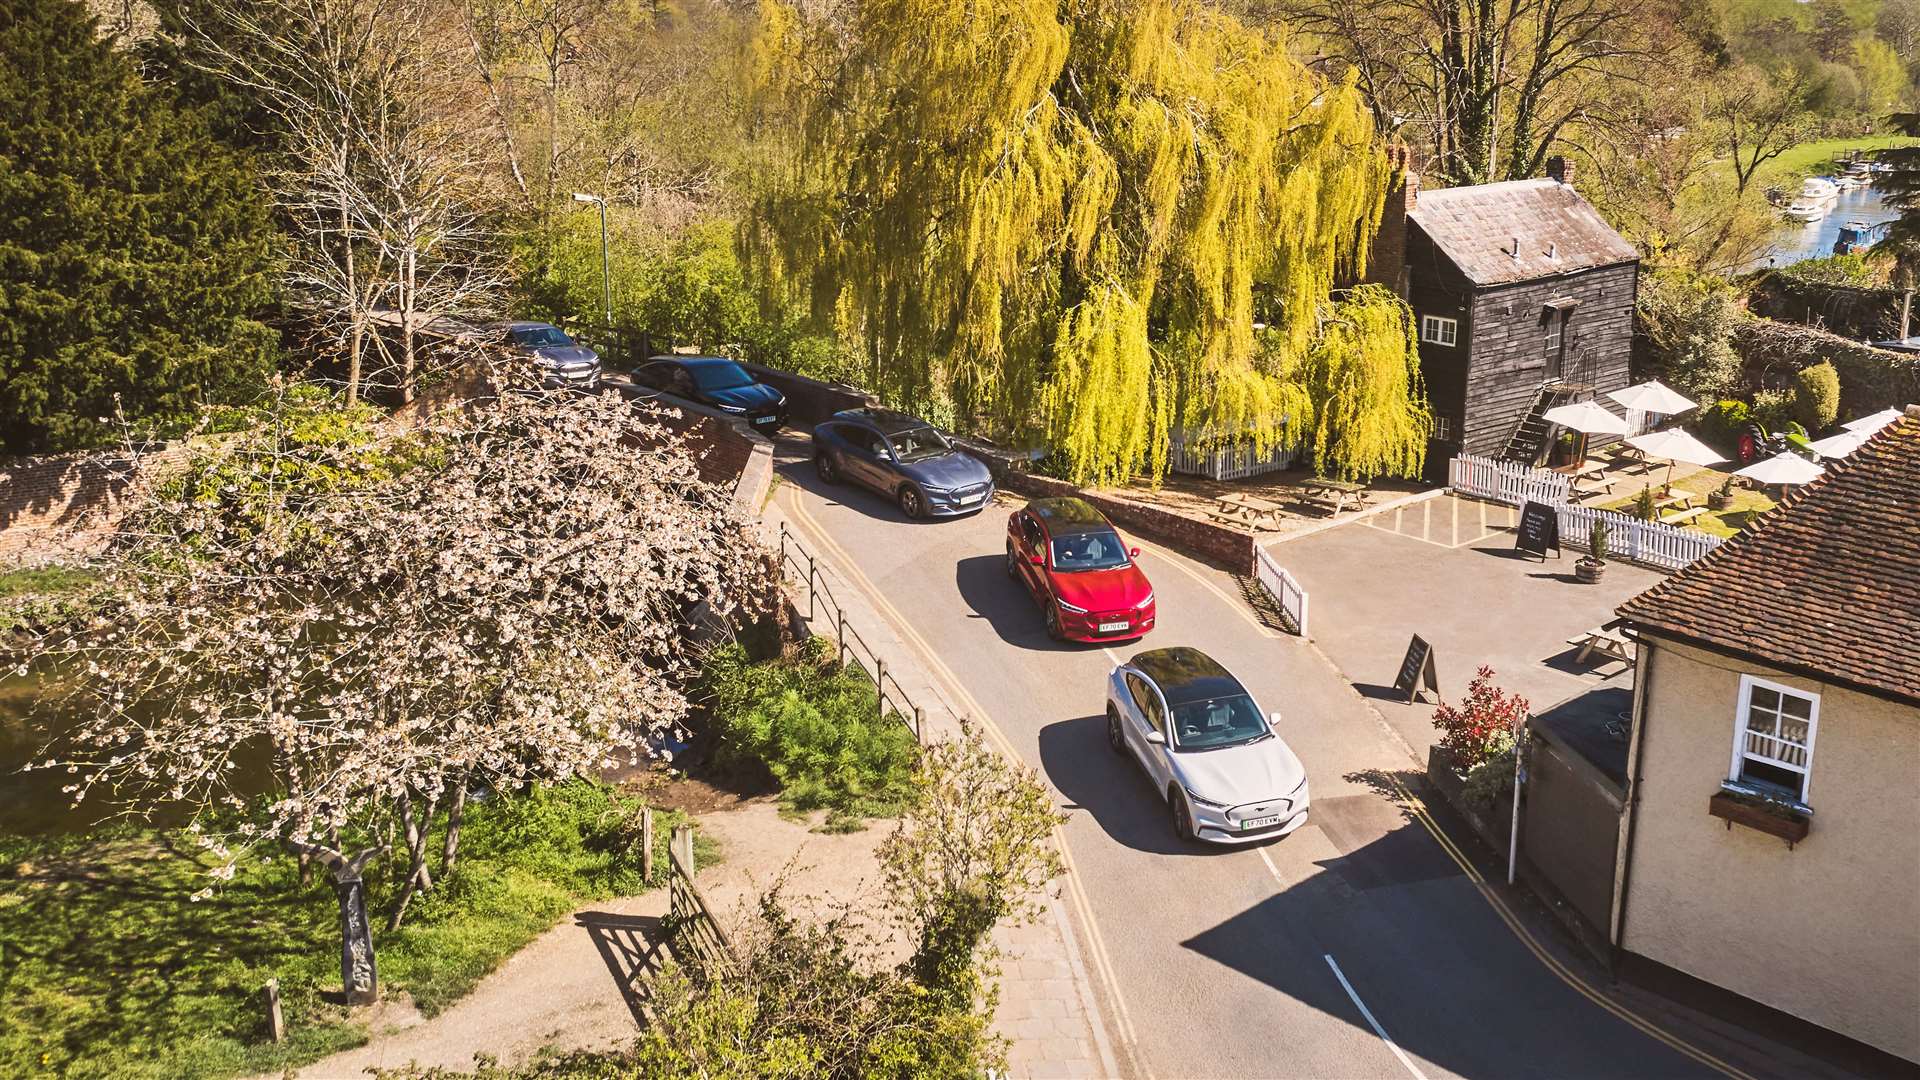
pixel 1445 568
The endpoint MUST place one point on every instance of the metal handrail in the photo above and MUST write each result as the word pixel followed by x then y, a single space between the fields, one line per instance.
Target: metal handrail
pixel 847 640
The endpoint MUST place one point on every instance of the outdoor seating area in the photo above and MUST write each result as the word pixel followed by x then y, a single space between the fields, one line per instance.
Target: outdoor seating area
pixel 1276 502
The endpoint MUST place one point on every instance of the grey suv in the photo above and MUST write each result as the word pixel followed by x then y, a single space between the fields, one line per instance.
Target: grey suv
pixel 563 361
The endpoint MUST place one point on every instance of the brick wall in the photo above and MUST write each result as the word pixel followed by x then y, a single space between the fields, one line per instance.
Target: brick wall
pixel 1229 549
pixel 63 506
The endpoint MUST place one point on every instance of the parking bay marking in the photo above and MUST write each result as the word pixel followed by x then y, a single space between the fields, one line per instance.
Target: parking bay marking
pixel 1373 1023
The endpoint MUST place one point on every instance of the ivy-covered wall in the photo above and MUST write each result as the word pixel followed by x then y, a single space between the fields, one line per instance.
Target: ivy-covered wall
pixel 1864 314
pixel 1870 379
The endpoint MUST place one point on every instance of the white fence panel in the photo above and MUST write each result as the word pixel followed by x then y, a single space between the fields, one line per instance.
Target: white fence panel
pixel 1506 481
pixel 1639 541
pixel 1284 589
pixel 1228 462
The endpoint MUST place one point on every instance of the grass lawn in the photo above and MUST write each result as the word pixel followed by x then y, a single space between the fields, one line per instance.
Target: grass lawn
pixel 27 594
pixel 108 970
pixel 1809 159
pixel 1747 502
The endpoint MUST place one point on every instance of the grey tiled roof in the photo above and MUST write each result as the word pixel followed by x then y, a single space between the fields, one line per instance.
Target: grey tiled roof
pixel 1559 232
pixel 1828 583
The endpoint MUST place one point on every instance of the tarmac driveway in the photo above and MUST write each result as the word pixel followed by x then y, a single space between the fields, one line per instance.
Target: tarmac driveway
pixel 1445 568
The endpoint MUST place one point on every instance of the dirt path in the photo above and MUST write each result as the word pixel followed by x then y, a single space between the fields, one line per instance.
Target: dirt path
pixel 560 991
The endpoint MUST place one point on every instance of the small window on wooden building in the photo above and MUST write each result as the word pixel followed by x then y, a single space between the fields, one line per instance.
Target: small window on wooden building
pixel 1439 331
pixel 1443 426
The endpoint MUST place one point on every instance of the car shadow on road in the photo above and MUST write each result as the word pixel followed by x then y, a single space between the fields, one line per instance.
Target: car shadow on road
pixel 1006 605
pixel 1112 788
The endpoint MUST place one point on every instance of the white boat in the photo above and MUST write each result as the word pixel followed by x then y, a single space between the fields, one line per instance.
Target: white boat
pixel 1804 209
pixel 1845 182
pixel 1818 189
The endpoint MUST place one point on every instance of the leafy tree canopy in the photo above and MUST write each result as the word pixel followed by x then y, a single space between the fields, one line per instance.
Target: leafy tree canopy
pixel 134 250
pixel 1070 219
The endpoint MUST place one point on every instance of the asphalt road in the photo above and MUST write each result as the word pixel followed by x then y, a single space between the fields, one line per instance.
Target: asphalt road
pixel 1298 958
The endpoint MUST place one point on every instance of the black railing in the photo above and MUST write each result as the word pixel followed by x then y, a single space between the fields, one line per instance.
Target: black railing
pixel 820 603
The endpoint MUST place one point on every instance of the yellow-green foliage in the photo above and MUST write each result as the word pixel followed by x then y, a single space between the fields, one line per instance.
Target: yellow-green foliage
pixel 1069 219
pixel 1816 396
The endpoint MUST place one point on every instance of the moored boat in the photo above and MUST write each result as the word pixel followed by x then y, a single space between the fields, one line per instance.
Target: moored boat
pixel 1804 209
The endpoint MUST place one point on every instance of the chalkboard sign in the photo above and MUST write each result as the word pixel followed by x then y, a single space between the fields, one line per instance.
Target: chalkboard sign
pixel 1416 671
pixel 1539 530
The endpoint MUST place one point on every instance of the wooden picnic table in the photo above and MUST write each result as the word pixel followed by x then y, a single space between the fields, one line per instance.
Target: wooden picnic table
pixel 1238 506
pixel 1334 492
pixel 1681 517
pixel 1682 500
pixel 1609 641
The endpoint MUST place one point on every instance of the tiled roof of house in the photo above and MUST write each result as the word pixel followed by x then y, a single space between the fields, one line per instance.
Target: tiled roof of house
pixel 1558 231
pixel 1828 583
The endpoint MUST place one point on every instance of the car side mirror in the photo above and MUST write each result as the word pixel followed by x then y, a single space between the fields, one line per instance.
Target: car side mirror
pixel 1154 737
pixel 1038 560
pixel 1273 719
pixel 1133 552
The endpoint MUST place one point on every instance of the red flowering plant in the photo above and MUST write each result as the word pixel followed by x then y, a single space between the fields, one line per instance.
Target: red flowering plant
pixel 1483 726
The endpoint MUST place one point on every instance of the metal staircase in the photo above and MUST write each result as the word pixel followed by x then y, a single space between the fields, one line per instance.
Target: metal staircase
pixel 1529 440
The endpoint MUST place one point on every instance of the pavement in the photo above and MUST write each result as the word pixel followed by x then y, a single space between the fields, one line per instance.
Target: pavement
pixel 1366 944
pixel 1445 568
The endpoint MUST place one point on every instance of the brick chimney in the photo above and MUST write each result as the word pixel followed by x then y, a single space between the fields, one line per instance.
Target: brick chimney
pixel 1387 264
pixel 1560 169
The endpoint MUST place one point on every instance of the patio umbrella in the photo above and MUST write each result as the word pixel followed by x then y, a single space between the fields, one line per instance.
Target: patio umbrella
pixel 1653 396
pixel 1587 418
pixel 1839 446
pixel 1873 422
pixel 1675 446
pixel 1782 469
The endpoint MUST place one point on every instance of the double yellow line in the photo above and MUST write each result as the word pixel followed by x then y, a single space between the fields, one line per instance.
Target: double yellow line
pixel 1412 804
pixel 1076 896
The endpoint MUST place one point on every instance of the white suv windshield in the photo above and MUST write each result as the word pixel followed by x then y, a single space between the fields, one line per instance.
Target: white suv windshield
pixel 1216 722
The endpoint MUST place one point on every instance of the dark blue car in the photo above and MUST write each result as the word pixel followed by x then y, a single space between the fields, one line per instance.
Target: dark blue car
pixel 903 458
pixel 716 382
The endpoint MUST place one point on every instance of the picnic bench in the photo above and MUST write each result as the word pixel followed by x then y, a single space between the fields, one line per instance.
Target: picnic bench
pixel 1609 641
pixel 1332 494
pixel 1681 517
pixel 1591 483
pixel 1682 501
pixel 1623 456
pixel 1239 508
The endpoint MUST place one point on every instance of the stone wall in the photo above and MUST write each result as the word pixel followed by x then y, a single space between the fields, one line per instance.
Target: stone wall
pixel 1870 379
pixel 1862 314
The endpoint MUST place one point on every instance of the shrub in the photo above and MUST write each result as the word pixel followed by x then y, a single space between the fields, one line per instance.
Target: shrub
pixel 1689 321
pixel 1723 421
pixel 1643 505
pixel 1490 779
pixel 1597 540
pixel 1816 396
pixel 1481 727
pixel 814 725
pixel 1772 409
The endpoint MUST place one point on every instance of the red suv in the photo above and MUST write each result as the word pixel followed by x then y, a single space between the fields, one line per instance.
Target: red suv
pixel 1079 571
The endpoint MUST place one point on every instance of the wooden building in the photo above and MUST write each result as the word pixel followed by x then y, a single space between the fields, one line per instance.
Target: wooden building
pixel 1523 299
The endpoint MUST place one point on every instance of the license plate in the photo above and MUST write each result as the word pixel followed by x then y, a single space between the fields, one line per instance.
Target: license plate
pixel 1260 822
pixel 1110 627
pixel 973 498
pixel 765 419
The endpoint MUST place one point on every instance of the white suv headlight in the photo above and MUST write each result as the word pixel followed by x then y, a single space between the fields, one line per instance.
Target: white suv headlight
pixel 1203 801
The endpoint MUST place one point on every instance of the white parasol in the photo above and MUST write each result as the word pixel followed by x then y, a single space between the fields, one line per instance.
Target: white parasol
pixel 1586 417
pixel 1782 469
pixel 1872 422
pixel 1675 446
pixel 1653 396
pixel 1839 446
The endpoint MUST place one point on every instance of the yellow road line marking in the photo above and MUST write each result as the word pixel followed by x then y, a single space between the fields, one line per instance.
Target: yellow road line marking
pixel 1418 809
pixel 1097 947
pixel 1239 606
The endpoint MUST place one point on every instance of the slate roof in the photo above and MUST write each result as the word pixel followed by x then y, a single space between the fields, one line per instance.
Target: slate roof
pixel 1475 227
pixel 1827 584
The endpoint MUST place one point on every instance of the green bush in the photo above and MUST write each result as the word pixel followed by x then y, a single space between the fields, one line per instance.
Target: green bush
pixel 1816 396
pixel 1643 505
pixel 1723 421
pixel 815 726
pixel 1772 409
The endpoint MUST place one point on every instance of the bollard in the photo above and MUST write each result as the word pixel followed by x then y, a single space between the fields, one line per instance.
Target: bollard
pixel 276 1026
pixel 646 843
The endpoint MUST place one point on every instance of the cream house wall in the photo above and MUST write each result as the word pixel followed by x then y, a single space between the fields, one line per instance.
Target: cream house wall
pixel 1828 931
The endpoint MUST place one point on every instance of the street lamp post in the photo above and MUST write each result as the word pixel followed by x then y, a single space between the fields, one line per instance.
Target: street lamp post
pixel 606 278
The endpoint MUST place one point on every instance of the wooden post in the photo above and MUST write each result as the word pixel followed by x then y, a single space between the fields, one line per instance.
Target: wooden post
pixel 646 843
pixel 919 723
pixel 879 690
pixel 683 837
pixel 276 1026
pixel 810 588
pixel 840 635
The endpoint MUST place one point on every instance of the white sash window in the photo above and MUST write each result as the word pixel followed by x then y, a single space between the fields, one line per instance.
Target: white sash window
pixel 1773 737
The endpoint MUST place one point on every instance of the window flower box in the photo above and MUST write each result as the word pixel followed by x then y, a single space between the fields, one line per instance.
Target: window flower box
pixel 1760 813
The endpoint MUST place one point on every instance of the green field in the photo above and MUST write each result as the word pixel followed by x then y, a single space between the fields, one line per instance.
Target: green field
pixel 1810 159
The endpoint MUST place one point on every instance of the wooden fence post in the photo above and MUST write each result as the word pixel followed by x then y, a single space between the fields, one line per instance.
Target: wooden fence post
pixel 879 691
pixel 683 837
pixel 276 1025
pixel 646 843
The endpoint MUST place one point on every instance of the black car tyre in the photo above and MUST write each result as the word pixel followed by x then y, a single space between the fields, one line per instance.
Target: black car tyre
pixel 1013 568
pixel 1182 814
pixel 912 503
pixel 1053 623
pixel 1115 740
pixel 823 466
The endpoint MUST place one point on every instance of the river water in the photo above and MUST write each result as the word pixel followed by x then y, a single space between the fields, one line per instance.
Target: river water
pixel 1798 241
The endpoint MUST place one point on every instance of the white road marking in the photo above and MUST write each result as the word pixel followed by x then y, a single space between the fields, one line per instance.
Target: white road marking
pixel 1368 1013
pixel 1113 656
pixel 1271 869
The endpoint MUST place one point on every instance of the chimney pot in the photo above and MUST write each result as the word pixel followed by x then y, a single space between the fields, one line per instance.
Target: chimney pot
pixel 1560 170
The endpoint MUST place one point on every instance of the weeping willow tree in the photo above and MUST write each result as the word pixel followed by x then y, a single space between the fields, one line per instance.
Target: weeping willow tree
pixel 1087 222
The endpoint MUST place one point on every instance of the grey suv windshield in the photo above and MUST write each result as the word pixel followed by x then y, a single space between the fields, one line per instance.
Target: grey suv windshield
pixel 541 337
pixel 918 444
pixel 1215 722
pixel 1089 551
pixel 720 376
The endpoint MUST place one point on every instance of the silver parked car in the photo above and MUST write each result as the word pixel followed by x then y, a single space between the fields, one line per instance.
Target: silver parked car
pixel 563 361
pixel 1225 773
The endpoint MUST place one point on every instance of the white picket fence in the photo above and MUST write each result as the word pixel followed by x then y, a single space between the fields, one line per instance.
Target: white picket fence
pixel 1283 588
pixel 1646 542
pixel 1506 481
pixel 1229 461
